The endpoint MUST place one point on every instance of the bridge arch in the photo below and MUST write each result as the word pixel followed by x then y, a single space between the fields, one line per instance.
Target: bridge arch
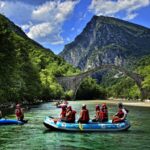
pixel 73 82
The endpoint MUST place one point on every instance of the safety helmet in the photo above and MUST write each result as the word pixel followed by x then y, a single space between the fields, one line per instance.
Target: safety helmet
pixel 83 106
pixel 63 106
pixel 104 106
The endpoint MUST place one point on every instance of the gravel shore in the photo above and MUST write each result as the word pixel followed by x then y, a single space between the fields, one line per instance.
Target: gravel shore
pixel 125 102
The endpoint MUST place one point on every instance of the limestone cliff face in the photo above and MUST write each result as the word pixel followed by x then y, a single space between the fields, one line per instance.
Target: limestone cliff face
pixel 107 40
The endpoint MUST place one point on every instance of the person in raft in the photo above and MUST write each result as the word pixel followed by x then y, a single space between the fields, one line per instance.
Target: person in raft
pixel 101 114
pixel 84 115
pixel 70 115
pixel 121 115
pixel 19 113
pixel 104 113
pixel 97 114
pixel 63 111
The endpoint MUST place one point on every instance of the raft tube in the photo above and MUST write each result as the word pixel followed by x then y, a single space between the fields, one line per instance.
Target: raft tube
pixel 52 124
pixel 10 121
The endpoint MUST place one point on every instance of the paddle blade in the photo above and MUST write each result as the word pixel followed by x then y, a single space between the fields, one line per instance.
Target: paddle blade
pixel 80 127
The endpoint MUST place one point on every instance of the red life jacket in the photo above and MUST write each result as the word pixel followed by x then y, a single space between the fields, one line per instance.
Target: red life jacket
pixel 103 115
pixel 63 113
pixel 18 112
pixel 71 117
pixel 85 115
pixel 120 113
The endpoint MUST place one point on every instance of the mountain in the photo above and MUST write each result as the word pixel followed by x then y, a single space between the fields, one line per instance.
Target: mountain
pixel 27 70
pixel 107 40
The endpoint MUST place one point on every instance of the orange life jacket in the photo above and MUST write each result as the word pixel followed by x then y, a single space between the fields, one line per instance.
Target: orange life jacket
pixel 71 117
pixel 18 112
pixel 85 115
pixel 103 115
pixel 120 113
pixel 63 113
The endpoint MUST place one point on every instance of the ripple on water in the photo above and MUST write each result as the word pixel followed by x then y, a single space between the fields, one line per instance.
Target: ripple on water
pixel 34 136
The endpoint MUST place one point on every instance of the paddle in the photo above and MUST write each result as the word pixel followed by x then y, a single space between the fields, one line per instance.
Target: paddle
pixel 80 127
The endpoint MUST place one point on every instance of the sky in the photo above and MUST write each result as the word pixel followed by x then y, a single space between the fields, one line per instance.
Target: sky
pixel 54 23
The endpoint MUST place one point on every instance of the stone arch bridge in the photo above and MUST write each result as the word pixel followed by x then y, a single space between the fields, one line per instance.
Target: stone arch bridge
pixel 73 82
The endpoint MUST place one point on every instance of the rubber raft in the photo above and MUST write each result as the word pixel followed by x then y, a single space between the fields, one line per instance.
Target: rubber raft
pixel 52 124
pixel 10 121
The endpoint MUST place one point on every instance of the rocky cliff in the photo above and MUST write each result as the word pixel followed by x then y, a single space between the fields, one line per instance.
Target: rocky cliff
pixel 107 40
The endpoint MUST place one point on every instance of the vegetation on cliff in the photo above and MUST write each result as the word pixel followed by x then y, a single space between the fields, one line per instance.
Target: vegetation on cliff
pixel 27 70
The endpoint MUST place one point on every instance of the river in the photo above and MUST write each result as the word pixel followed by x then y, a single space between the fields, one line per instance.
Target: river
pixel 34 135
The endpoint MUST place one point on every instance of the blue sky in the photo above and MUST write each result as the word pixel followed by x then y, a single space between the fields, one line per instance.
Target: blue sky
pixel 54 23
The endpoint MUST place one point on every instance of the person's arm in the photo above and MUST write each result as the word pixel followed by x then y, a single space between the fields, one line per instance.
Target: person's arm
pixel 97 115
pixel 61 114
pixel 80 114
pixel 68 113
pixel 22 111
pixel 0 114
pixel 115 115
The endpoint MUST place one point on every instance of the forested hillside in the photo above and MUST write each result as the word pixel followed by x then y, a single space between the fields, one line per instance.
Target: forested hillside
pixel 27 70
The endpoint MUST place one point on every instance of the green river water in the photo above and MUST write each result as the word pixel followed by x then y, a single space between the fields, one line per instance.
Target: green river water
pixel 35 136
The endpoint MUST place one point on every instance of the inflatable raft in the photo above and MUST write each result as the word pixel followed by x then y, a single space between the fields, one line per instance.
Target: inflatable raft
pixel 10 121
pixel 53 124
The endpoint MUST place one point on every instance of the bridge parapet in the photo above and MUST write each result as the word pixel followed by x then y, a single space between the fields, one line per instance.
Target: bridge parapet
pixel 73 82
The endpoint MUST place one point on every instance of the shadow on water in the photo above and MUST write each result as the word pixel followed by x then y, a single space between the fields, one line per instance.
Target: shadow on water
pixel 48 131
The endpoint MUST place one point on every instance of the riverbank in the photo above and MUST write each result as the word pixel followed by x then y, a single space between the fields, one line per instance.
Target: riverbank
pixel 115 102
pixel 9 109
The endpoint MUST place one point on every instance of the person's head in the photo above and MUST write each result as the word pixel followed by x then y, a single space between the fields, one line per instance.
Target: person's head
pixel 120 105
pixel 97 107
pixel 83 106
pixel 69 108
pixel 104 106
pixel 63 107
pixel 18 106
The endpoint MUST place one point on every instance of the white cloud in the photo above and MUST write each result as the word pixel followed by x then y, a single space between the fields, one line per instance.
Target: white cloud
pixel 40 30
pixel 42 23
pixel 54 12
pixel 17 11
pixel 130 16
pixel 26 26
pixel 68 39
pixel 110 8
